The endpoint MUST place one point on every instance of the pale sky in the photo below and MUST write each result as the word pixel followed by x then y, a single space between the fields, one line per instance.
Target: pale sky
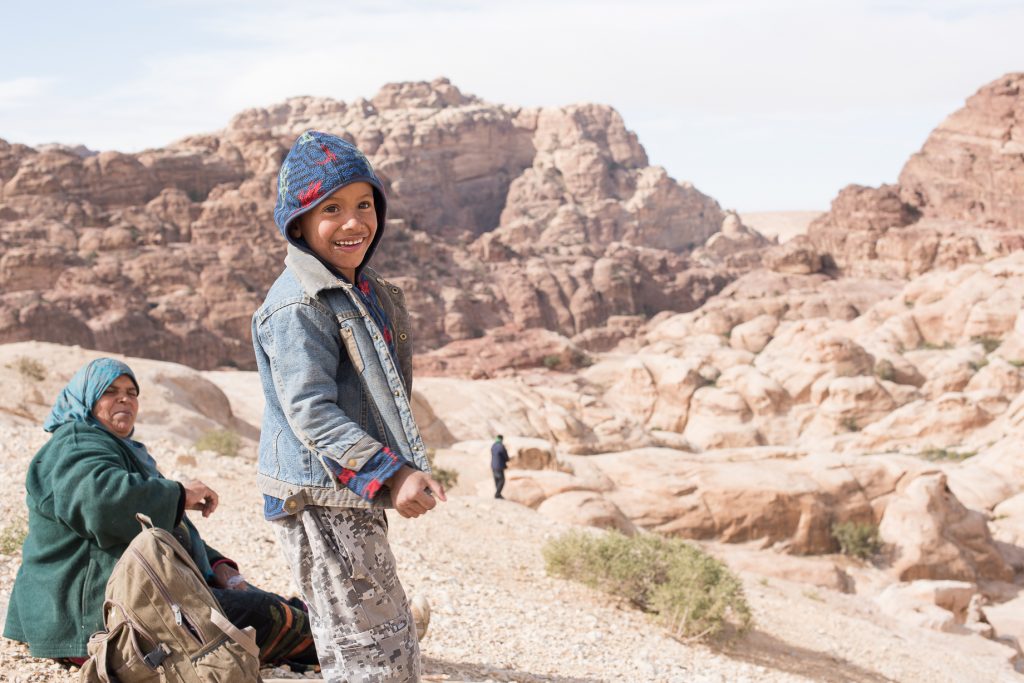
pixel 764 105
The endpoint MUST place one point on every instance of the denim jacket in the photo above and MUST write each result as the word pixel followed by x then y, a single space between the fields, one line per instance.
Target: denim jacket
pixel 333 388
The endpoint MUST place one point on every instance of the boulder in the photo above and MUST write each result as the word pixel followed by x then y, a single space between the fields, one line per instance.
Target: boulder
pixel 586 508
pixel 933 536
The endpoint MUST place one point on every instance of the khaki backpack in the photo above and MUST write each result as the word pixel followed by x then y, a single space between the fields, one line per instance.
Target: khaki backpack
pixel 163 623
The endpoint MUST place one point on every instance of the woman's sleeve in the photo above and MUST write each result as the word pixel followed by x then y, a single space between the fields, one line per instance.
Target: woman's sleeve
pixel 97 497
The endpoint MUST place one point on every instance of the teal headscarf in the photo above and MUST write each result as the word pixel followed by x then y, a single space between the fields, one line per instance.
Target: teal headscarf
pixel 77 399
pixel 75 405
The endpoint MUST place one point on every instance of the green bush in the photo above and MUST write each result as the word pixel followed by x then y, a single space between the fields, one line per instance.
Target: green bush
pixel 990 344
pixel 12 537
pixel 581 359
pixel 943 454
pixel 220 441
pixel 693 594
pixel 857 539
pixel 29 368
pixel 551 362
pixel 884 370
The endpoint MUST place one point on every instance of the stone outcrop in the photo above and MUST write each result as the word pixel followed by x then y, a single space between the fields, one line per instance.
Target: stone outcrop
pixel 537 219
pixel 958 200
pixel 971 168
pixel 933 536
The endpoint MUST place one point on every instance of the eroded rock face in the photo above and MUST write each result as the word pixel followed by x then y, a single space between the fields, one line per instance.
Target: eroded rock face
pixel 960 199
pixel 545 218
pixel 971 167
pixel 934 536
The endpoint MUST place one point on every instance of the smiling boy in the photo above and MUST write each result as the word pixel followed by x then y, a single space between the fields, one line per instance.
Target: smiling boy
pixel 338 441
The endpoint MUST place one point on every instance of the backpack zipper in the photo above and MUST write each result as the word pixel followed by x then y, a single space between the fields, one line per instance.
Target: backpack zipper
pixel 179 618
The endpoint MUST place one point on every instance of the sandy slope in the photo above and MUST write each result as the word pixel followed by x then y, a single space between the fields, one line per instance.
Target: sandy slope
pixel 497 616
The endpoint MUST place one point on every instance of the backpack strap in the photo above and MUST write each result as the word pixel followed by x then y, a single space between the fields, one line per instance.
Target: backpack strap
pixel 246 638
pixel 144 520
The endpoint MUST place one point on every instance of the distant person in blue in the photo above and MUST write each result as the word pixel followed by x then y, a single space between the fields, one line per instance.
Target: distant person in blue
pixel 499 462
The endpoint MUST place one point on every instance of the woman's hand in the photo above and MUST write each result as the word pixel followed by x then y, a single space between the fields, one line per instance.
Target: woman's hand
pixel 229 577
pixel 199 496
pixel 414 492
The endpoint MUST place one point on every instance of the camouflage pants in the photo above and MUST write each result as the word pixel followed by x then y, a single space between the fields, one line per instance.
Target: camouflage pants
pixel 359 614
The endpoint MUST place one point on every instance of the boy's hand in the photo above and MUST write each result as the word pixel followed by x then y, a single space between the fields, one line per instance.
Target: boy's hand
pixel 414 492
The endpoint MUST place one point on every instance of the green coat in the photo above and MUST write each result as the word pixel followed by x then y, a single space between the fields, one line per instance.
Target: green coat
pixel 83 490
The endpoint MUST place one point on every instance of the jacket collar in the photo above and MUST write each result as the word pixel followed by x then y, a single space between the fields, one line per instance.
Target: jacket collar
pixel 311 273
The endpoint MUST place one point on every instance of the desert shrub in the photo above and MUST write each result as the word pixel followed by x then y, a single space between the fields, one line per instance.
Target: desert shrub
pixel 935 347
pixel 857 539
pixel 990 344
pixel 884 370
pixel 448 478
pixel 552 361
pixel 220 441
pixel 580 359
pixel 693 594
pixel 12 536
pixel 978 365
pixel 850 424
pixel 1016 362
pixel 29 368
pixel 944 454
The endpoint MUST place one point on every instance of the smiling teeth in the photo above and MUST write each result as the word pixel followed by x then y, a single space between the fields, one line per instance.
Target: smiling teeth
pixel 348 243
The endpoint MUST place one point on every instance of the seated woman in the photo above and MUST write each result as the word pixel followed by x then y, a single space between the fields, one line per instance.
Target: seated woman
pixel 83 490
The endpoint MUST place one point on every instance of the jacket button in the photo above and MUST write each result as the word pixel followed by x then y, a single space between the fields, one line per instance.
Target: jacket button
pixel 352 462
pixel 290 505
pixel 397 392
pixel 394 290
pixel 403 336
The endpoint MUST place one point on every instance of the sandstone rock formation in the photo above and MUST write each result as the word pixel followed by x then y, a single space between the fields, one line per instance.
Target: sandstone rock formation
pixel 546 218
pixel 958 199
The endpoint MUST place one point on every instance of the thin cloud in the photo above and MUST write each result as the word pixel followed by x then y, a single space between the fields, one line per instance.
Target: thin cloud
pixel 718 92
pixel 22 92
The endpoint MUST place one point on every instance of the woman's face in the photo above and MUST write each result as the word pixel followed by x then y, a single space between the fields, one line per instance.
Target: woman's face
pixel 117 407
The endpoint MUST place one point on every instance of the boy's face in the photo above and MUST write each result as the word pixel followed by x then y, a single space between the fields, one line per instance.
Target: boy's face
pixel 341 227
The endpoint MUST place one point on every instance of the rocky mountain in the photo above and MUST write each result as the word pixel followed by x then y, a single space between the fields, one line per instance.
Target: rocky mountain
pixel 500 217
pixel 959 199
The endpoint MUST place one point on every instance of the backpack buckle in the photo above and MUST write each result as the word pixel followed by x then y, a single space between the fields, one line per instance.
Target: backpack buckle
pixel 157 656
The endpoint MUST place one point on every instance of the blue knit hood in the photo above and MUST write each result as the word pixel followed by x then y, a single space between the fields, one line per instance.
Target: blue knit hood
pixel 318 165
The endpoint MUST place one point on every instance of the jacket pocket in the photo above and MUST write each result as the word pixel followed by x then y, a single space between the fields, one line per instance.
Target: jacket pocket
pixel 348 338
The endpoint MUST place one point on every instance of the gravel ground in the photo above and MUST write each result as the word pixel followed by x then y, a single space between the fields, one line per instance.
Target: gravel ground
pixel 498 617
